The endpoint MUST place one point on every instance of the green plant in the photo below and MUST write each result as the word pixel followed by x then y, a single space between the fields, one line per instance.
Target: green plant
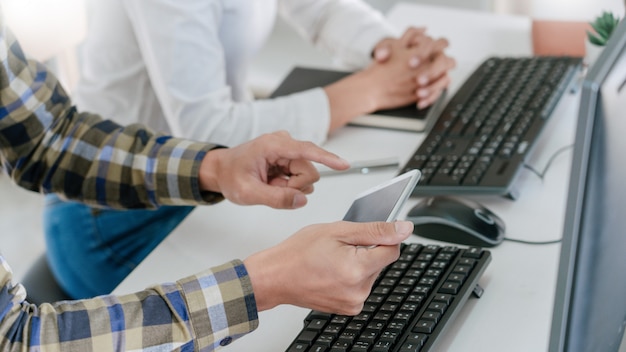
pixel 603 26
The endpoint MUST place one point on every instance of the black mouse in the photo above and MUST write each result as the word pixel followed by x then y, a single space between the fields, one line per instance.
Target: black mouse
pixel 455 220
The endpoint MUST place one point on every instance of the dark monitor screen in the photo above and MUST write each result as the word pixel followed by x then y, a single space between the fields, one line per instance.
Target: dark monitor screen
pixel 590 301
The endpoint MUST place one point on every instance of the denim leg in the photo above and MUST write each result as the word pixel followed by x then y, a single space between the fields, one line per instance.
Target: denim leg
pixel 91 251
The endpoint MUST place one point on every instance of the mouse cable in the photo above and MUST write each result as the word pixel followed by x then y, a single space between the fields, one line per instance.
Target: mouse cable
pixel 531 242
pixel 552 158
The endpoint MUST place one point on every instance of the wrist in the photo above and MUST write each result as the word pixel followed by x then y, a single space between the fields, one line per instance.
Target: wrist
pixel 208 172
pixel 263 282
pixel 351 97
pixel 369 91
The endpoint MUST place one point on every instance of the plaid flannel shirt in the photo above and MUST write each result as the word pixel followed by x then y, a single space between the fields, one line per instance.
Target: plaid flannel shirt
pixel 47 146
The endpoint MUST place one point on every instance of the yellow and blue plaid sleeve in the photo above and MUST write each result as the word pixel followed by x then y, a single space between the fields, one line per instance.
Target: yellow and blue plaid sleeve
pixel 181 316
pixel 47 146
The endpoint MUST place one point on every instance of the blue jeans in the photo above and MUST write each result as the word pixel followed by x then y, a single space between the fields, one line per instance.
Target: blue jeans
pixel 91 250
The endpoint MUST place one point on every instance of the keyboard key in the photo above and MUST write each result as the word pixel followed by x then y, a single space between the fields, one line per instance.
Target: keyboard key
pixel 456 278
pixel 325 340
pixel 410 347
pixel 382 346
pixel 424 326
pixel 417 339
pixel 298 347
pixel 306 336
pixel 438 307
pixel 450 287
pixel 462 269
pixel 473 252
pixel 341 346
pixel 440 297
pixel 333 329
pixel 316 325
pixel 431 315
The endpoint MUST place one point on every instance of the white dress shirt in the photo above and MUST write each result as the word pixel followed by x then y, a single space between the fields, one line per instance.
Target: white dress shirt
pixel 180 66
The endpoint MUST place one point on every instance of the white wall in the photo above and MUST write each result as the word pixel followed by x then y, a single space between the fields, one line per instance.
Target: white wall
pixel 579 10
pixel 49 31
pixel 574 10
pixel 486 5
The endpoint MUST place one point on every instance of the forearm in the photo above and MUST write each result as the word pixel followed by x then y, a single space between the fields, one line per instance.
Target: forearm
pixel 216 118
pixel 177 316
pixel 101 163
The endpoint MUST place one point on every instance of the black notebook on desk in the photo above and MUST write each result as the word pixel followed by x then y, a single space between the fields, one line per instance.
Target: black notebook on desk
pixel 408 118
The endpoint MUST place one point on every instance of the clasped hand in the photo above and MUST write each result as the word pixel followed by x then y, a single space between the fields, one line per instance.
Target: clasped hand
pixel 412 69
pixel 426 59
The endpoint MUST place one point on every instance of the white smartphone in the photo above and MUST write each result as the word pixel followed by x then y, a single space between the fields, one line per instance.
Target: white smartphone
pixel 383 202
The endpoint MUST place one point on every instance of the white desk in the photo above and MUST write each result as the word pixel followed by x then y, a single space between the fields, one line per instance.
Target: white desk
pixel 515 311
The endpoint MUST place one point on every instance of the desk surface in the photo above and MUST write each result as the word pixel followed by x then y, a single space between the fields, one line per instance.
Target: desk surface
pixel 515 311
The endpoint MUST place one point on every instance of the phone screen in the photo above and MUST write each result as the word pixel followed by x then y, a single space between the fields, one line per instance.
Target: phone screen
pixel 383 202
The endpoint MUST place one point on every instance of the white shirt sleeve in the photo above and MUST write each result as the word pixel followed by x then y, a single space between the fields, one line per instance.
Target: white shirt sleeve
pixel 348 29
pixel 181 48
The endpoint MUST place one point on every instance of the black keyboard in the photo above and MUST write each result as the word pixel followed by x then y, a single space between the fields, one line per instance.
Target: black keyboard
pixel 482 137
pixel 409 307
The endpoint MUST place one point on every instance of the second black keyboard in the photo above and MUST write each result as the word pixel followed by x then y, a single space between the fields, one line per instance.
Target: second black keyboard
pixel 411 305
pixel 482 137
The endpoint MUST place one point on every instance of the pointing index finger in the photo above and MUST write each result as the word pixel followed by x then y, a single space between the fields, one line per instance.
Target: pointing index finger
pixel 311 152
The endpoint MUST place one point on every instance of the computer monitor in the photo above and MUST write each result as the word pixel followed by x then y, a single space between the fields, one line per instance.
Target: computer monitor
pixel 590 302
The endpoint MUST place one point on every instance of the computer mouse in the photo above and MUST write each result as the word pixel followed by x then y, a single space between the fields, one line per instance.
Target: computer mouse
pixel 456 220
